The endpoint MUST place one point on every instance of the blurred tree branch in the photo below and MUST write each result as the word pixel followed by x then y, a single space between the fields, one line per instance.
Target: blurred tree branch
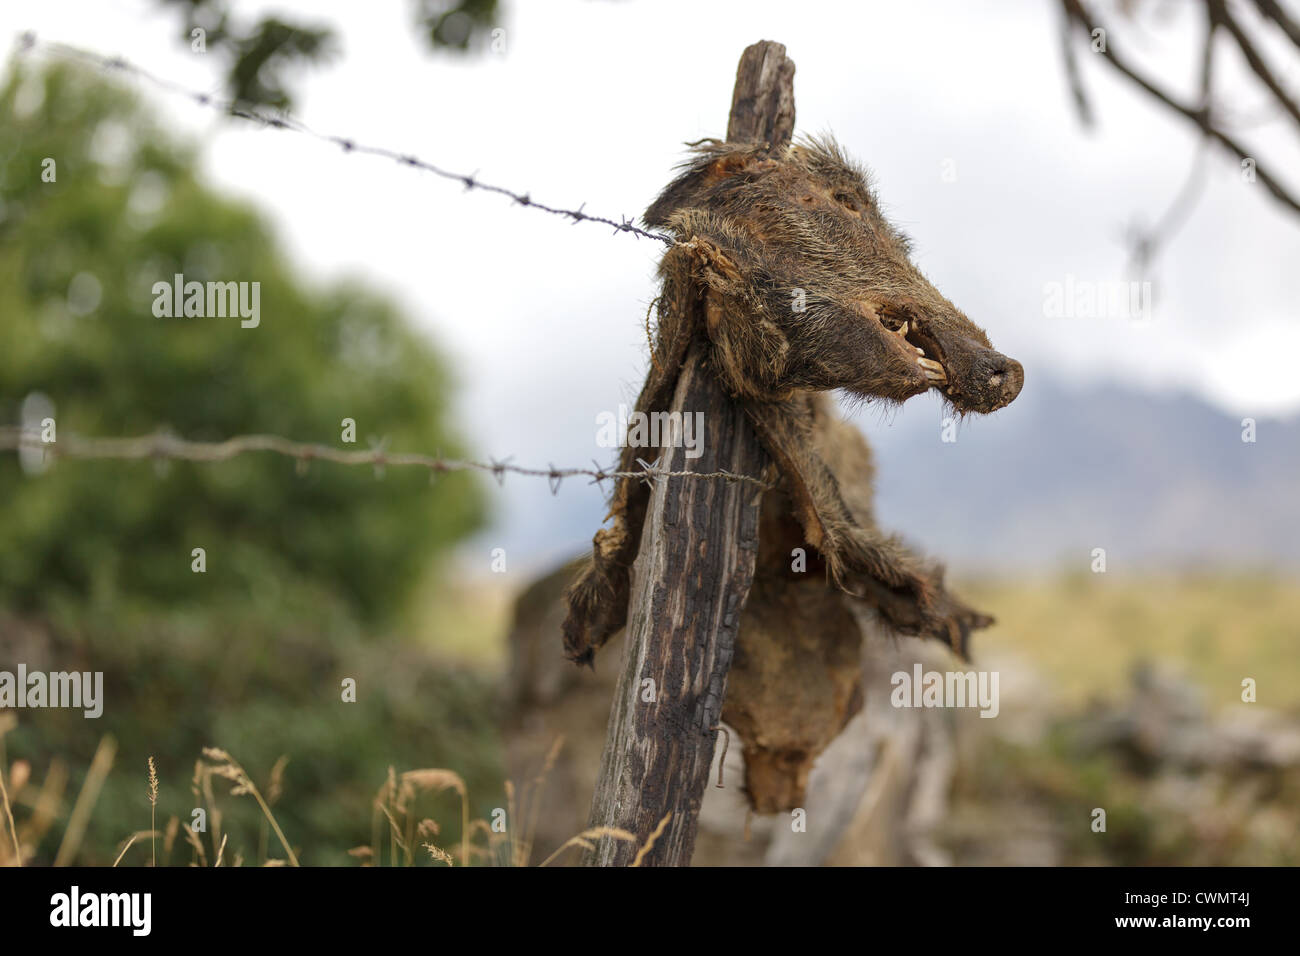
pixel 1273 11
pixel 1078 20
pixel 1221 14
pixel 259 54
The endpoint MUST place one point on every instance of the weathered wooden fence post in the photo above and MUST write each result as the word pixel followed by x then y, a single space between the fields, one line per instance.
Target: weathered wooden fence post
pixel 691 576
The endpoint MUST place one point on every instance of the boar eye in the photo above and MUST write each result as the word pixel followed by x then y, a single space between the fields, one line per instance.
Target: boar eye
pixel 846 199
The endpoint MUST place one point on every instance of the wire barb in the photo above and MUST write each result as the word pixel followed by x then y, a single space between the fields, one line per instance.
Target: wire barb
pixel 649 470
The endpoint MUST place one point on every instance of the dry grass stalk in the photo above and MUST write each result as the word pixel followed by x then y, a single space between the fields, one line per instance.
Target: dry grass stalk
pixel 81 810
pixel 584 839
pixel 49 802
pixel 201 787
pixel 227 767
pixel 274 790
pixel 193 838
pixel 487 852
pixel 439 854
pixel 9 817
pixel 364 853
pixel 650 840
pixel 395 802
pixel 530 798
pixel 153 806
pixel 517 850
pixel 169 838
pixel 126 845
pixel 7 723
pixel 434 779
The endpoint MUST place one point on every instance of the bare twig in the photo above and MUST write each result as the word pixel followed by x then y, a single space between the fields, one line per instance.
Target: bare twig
pixel 1078 10
pixel 1273 11
pixel 1082 105
pixel 1222 14
pixel 1212 23
pixel 1144 244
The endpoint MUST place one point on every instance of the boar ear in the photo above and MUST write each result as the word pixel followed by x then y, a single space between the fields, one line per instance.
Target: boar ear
pixel 713 166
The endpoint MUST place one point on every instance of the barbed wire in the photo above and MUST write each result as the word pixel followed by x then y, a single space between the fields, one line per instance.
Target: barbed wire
pixel 165 446
pixel 282 120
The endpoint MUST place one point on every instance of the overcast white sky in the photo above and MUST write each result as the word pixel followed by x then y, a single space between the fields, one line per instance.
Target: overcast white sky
pixel 591 102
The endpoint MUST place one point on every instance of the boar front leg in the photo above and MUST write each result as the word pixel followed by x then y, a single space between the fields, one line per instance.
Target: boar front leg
pixel 834 512
pixel 598 597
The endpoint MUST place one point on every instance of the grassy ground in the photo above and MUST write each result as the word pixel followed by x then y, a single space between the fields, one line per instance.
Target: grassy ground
pixel 272 690
pixel 1032 799
pixel 1085 632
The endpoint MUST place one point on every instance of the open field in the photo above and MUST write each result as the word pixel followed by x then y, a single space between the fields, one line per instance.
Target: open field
pixel 1071 641
pixel 1085 632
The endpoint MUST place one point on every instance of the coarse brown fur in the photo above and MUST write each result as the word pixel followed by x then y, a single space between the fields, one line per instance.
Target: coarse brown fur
pixel 806 288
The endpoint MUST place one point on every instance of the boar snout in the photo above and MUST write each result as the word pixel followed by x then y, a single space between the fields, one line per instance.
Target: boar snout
pixel 984 380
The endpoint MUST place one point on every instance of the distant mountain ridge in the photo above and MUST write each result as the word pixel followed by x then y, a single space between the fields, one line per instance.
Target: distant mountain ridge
pixel 1155 479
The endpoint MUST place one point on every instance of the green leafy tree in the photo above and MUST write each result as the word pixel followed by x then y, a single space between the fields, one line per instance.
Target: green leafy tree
pixel 96 207
pixel 303 571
